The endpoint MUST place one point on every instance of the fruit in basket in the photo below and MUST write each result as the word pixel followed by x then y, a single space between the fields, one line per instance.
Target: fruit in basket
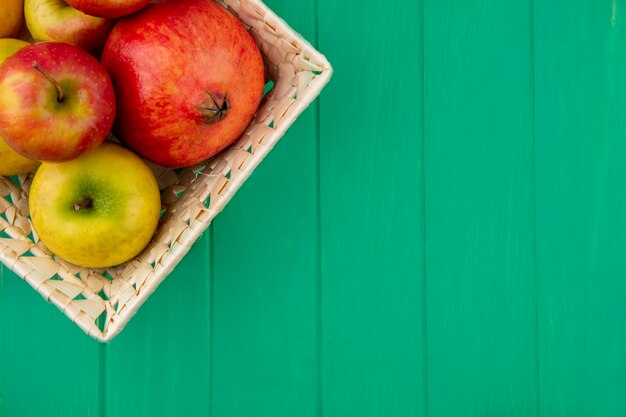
pixel 108 8
pixel 55 20
pixel 98 210
pixel 11 17
pixel 56 101
pixel 188 77
pixel 11 162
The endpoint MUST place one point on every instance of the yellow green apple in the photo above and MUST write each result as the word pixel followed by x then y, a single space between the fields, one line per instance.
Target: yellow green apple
pixel 11 17
pixel 98 210
pixel 55 20
pixel 11 162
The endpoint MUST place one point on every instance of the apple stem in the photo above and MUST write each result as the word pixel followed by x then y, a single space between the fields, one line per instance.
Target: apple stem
pixel 85 204
pixel 60 96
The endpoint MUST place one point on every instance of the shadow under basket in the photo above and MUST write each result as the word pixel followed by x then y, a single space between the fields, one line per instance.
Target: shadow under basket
pixel 102 301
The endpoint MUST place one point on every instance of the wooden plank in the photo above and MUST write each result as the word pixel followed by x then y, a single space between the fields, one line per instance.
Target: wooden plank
pixel 46 362
pixel 160 364
pixel 479 230
pixel 266 262
pixel 581 201
pixel 372 333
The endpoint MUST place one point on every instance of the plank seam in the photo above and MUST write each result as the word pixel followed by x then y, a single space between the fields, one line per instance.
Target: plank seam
pixel 102 380
pixel 422 171
pixel 2 353
pixel 534 203
pixel 319 400
pixel 211 319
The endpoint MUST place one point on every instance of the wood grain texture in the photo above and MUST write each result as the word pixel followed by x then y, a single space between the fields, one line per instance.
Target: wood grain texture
pixel 442 234
pixel 160 364
pixel 581 201
pixel 370 160
pixel 479 223
pixel 48 366
pixel 266 273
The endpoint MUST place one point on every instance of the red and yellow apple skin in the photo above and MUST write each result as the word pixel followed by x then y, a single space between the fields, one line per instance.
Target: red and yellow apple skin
pixel 11 162
pixel 55 20
pixel 111 9
pixel 188 77
pixel 98 210
pixel 56 102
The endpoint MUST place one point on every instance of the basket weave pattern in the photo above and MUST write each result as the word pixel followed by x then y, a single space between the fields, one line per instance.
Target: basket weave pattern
pixel 102 301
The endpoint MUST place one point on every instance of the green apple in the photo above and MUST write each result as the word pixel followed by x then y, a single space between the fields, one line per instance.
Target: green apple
pixel 98 210
pixel 11 162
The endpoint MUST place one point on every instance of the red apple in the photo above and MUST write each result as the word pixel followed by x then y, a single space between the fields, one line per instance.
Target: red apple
pixel 56 102
pixel 111 9
pixel 188 78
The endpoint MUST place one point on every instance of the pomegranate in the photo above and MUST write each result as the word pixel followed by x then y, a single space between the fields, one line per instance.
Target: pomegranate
pixel 188 79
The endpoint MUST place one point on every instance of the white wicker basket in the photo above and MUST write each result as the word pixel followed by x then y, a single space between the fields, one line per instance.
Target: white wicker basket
pixel 102 301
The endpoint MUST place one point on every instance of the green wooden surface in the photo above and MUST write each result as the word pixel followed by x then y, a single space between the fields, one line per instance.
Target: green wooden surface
pixel 372 355
pixel 441 234
pixel 581 201
pixel 479 224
